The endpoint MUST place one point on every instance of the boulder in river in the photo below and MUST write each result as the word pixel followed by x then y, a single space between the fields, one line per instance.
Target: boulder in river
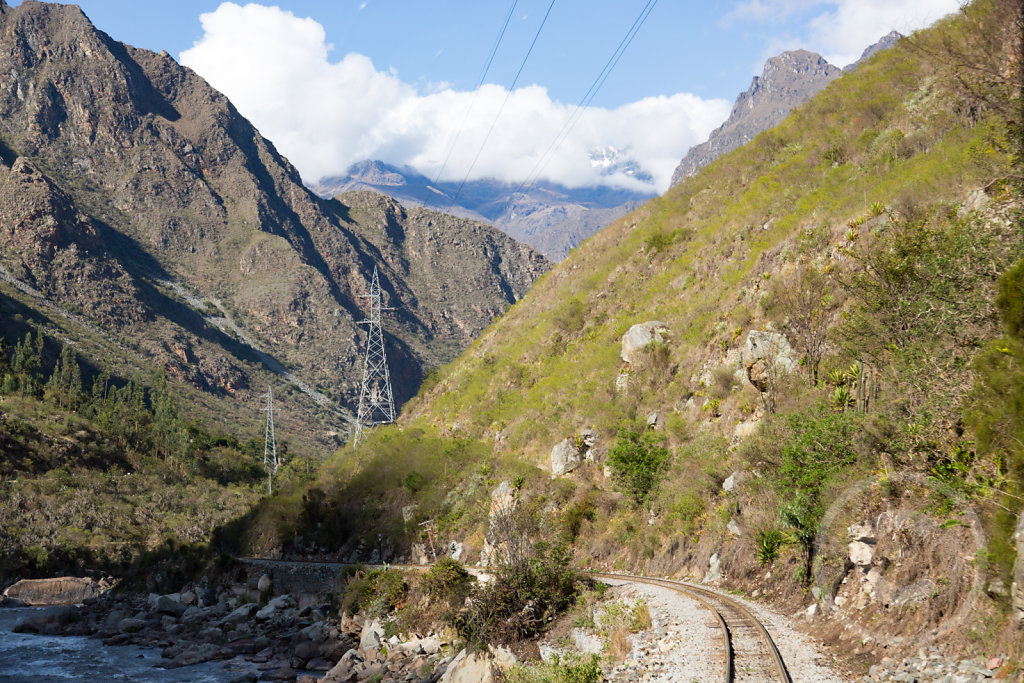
pixel 63 590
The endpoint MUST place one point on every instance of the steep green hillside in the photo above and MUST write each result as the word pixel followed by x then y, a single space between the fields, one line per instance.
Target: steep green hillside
pixel 827 299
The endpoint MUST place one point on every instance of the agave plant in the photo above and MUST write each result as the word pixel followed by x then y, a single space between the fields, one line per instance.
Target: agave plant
pixel 836 377
pixel 842 398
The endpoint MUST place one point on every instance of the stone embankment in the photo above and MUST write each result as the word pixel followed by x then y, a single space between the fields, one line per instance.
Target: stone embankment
pixel 273 640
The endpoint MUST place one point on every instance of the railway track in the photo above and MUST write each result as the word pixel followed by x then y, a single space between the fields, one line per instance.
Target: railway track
pixel 750 652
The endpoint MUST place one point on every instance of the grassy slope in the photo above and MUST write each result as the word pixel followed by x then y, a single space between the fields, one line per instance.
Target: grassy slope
pixel 875 165
pixel 536 373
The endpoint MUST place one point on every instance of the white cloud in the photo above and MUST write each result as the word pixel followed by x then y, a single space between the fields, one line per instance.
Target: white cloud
pixel 325 115
pixel 839 30
pixel 841 33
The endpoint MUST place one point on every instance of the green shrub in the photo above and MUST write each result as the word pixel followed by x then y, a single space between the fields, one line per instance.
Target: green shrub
pixel 559 670
pixel 573 517
pixel 521 600
pixel 377 592
pixel 768 543
pixel 638 461
pixel 414 481
pixel 447 582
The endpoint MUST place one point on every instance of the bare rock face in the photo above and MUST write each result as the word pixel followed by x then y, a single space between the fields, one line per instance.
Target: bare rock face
pixel 639 337
pixel 788 80
pixel 65 590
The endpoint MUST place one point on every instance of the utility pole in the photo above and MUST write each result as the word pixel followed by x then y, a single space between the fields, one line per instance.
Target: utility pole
pixel 376 404
pixel 269 441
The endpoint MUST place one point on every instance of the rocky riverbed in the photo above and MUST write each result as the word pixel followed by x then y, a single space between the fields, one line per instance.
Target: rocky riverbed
pixel 272 640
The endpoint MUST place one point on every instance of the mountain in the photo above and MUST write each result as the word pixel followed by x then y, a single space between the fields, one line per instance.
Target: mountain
pixel 146 221
pixel 884 43
pixel 796 374
pixel 788 80
pixel 549 217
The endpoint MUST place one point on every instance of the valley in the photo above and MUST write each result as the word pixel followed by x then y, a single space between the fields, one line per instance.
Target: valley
pixel 793 383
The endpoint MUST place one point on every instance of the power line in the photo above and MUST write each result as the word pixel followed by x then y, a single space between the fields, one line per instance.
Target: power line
pixel 502 108
pixel 587 98
pixel 476 91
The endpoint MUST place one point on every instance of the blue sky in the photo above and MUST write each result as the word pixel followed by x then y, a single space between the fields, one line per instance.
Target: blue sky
pixel 334 81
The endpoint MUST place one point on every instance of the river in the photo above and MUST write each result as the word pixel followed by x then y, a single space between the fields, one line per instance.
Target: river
pixel 26 658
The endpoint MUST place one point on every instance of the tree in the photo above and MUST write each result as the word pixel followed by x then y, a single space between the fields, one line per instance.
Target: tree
pixel 808 306
pixel 65 385
pixel 638 461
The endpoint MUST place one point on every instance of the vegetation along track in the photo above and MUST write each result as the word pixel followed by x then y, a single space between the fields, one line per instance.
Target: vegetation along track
pixel 750 652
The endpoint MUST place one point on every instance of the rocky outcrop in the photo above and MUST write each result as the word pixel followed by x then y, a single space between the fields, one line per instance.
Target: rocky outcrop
pixel 639 337
pixel 788 80
pixel 64 590
pixel 571 452
pixel 278 642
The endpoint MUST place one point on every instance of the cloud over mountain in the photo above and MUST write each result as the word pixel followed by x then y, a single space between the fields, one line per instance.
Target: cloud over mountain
pixel 326 113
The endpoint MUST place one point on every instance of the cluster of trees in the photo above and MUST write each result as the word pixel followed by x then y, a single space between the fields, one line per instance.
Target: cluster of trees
pixel 142 418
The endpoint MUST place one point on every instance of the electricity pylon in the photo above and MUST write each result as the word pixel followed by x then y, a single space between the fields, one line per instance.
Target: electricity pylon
pixel 269 441
pixel 376 404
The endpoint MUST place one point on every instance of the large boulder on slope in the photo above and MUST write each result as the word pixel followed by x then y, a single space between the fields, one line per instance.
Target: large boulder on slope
pixel 639 337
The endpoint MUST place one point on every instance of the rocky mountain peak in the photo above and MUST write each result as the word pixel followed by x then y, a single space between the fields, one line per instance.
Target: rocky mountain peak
pixel 787 80
pixel 884 43
pixel 375 173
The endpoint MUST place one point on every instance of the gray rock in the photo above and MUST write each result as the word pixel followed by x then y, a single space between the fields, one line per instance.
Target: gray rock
pixel 371 636
pixel 64 590
pixel 733 528
pixel 479 667
pixel 565 457
pixel 242 613
pixel 131 625
pixel 315 632
pixel 639 337
pixel 585 642
pixel 264 584
pixel 167 605
pixel 734 480
pixel 714 575
pixel 455 550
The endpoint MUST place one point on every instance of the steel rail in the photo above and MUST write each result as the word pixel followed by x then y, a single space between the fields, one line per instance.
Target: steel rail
pixel 702 596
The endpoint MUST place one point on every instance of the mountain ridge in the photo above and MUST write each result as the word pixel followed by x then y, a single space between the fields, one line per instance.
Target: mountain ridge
pixel 549 217
pixel 178 187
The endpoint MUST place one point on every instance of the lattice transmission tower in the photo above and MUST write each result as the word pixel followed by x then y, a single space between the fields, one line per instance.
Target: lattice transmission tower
pixel 270 461
pixel 376 403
